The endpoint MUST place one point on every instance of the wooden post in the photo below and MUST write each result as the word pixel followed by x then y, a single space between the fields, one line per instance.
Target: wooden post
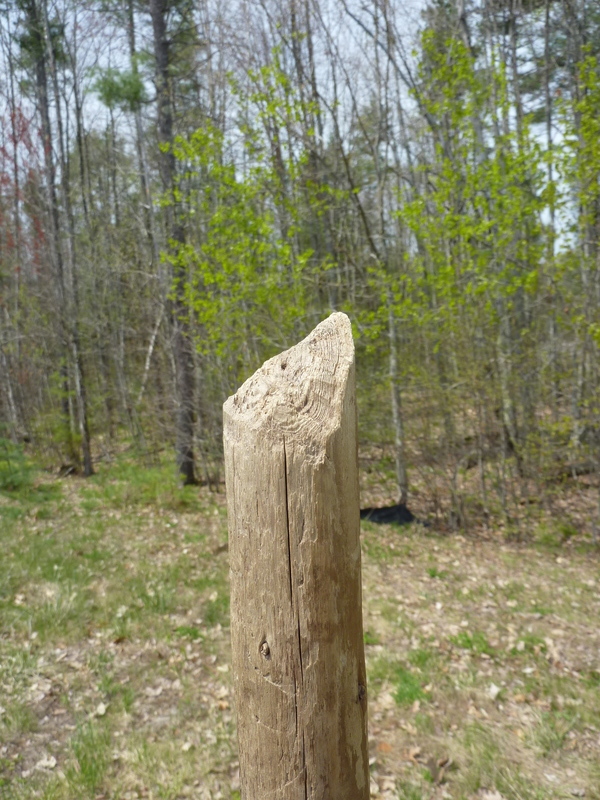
pixel 296 617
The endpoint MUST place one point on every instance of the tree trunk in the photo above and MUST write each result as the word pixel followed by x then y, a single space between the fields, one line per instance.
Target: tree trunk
pixel 291 467
pixel 35 27
pixel 182 344
pixel 398 422
pixel 71 293
pixel 7 388
pixel 144 173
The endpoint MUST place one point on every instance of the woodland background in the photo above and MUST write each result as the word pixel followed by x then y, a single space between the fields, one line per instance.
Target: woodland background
pixel 187 188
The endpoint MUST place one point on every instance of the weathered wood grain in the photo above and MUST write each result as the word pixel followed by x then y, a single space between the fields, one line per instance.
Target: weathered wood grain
pixel 296 619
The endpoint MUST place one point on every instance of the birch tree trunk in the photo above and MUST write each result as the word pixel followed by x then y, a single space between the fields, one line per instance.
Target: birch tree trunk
pixel 296 620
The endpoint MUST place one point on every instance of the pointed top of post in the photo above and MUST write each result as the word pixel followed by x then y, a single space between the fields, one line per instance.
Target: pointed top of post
pixel 300 392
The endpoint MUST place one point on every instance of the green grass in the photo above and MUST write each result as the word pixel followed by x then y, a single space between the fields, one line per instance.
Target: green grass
pixel 114 650
pixel 407 685
pixel 16 471
pixel 374 549
pixel 554 535
pixel 592 679
pixel 216 612
pixel 119 564
pixel 483 754
pixel 424 723
pixel 31 497
pixel 476 642
pixel 188 632
pixel 410 791
pixel 529 643
pixel 19 718
pixel 434 572
pixel 128 485
pixel 371 638
pixel 90 746
pixel 423 658
pixel 536 608
pixel 551 731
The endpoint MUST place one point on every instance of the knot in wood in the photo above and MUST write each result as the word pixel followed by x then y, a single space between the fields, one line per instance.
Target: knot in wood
pixel 265 650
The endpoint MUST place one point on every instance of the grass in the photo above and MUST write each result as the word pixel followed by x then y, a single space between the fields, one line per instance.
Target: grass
pixel 423 657
pixel 476 642
pixel 114 650
pixel 492 769
pixel 18 718
pixel 407 686
pixel 90 746
pixel 434 572
pixel 494 664
pixel 410 791
pixel 371 638
pixel 15 469
pixel 110 597
pixel 551 731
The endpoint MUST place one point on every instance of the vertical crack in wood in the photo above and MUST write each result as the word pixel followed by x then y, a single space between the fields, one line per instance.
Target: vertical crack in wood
pixel 296 703
pixel 295 607
pixel 304 767
pixel 287 522
pixel 299 641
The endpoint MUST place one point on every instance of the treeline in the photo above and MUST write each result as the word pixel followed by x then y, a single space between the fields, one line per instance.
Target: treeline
pixel 188 188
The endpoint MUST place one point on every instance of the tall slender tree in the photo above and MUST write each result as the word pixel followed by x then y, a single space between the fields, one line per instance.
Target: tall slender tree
pixel 164 54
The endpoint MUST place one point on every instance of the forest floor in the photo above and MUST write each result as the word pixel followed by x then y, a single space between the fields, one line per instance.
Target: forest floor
pixel 483 655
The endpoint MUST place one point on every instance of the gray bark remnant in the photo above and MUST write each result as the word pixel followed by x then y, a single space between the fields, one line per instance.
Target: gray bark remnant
pixel 291 466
